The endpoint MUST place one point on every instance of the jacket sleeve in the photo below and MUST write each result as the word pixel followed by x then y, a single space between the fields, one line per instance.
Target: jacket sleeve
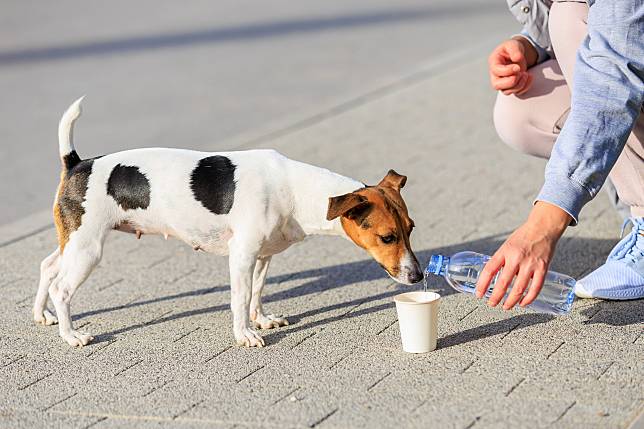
pixel 607 97
pixel 533 15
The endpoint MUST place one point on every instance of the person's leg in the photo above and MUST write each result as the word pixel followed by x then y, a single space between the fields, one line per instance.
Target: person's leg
pixel 531 122
pixel 622 276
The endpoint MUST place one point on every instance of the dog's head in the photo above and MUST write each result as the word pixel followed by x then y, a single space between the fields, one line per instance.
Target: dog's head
pixel 376 219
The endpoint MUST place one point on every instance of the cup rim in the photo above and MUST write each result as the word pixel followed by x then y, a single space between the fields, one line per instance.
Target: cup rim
pixel 434 297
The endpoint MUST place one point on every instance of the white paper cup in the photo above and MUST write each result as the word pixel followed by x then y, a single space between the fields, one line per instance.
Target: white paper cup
pixel 418 320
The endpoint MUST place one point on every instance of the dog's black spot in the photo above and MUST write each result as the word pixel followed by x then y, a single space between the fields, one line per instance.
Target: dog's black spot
pixel 213 183
pixel 129 187
pixel 72 195
pixel 71 160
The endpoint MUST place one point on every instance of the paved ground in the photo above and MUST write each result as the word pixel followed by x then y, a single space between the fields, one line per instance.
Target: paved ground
pixel 161 73
pixel 159 311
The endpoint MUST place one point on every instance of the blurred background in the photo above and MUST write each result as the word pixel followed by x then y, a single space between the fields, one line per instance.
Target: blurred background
pixel 204 75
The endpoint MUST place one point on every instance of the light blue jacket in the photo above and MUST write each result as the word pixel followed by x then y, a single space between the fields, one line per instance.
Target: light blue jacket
pixel 607 98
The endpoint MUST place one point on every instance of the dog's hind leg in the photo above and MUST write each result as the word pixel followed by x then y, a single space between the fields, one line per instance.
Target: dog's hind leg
pixel 242 262
pixel 48 270
pixel 79 258
pixel 257 315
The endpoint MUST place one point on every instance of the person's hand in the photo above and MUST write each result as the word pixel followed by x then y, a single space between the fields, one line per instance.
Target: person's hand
pixel 508 65
pixel 526 254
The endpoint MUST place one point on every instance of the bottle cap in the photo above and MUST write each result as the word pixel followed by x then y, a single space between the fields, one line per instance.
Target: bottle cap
pixel 435 265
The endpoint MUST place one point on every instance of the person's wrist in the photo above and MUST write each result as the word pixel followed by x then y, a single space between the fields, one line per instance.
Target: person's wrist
pixel 550 219
pixel 529 51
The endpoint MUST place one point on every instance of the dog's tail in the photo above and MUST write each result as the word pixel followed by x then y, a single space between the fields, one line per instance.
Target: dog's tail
pixel 68 155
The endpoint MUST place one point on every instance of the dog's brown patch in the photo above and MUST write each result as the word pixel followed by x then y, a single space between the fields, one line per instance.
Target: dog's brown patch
pixel 68 207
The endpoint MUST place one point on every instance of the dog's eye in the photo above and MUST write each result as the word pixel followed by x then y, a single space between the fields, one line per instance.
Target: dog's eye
pixel 388 239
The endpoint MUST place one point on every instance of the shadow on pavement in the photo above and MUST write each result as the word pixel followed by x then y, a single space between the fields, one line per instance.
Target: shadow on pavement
pixel 576 255
pixel 615 313
pixel 237 33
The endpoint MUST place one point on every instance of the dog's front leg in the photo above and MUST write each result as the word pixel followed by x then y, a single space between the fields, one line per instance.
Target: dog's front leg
pixel 257 315
pixel 242 264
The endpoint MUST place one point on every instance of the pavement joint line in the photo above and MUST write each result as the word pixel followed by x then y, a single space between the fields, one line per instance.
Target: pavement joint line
pixel 10 282
pixel 134 417
pixel 94 423
pixel 324 418
pixel 186 334
pixel 423 402
pixel 334 364
pixel 99 349
pixel 154 389
pixel 512 389
pixel 380 380
pixel 159 317
pixel 35 381
pixel 387 327
pixel 306 338
pixel 14 361
pixel 132 301
pixel 469 234
pixel 109 285
pixel 121 371
pixel 196 404
pixel 281 398
pixel 468 366
pixel 605 370
pixel 353 308
pixel 467 202
pixel 460 319
pixel 511 329
pixel 555 350
pixel 181 276
pixel 38 230
pixel 638 337
pixel 250 373
pixel 219 353
pixel 473 422
pixel 159 261
pixel 82 325
pixel 59 402
pixel 594 314
pixel 28 298
pixel 564 412
pixel 132 250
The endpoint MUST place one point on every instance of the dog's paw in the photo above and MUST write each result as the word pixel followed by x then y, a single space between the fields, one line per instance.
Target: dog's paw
pixel 77 339
pixel 45 318
pixel 270 321
pixel 248 337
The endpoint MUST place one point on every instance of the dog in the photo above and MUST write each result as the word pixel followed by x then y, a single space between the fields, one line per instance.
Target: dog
pixel 249 205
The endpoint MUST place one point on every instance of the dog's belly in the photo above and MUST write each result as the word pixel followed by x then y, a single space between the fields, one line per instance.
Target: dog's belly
pixel 212 240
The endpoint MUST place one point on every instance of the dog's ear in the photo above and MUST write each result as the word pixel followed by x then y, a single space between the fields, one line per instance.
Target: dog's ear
pixel 393 180
pixel 346 205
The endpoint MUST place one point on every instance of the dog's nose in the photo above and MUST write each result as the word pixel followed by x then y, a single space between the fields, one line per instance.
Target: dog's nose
pixel 416 276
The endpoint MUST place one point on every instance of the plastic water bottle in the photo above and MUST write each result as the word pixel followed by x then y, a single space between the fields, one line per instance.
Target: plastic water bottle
pixel 462 271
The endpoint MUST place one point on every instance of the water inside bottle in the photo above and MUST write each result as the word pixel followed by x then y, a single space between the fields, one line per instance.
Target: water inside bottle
pixel 424 282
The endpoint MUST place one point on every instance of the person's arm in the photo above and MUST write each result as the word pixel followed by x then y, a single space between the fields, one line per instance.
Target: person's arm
pixel 607 96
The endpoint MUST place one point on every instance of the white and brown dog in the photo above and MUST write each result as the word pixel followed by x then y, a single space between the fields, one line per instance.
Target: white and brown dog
pixel 249 205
